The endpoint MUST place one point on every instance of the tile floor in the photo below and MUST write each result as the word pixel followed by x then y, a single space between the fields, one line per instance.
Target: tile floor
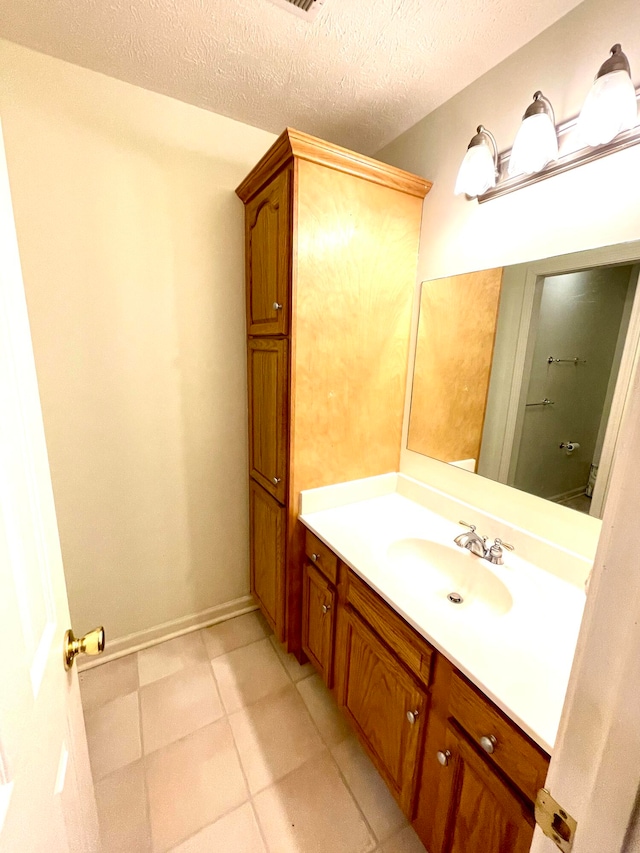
pixel 219 742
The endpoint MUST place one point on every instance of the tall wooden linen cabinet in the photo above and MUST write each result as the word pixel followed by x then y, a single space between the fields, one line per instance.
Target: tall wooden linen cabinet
pixel 331 243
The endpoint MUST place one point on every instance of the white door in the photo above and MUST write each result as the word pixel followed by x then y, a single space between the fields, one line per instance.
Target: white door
pixel 46 794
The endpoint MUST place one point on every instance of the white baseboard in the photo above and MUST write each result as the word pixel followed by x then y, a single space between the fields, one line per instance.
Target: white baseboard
pixel 566 496
pixel 168 630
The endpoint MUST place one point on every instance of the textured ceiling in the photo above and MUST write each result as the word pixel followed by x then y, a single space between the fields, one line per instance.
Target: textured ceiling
pixel 359 75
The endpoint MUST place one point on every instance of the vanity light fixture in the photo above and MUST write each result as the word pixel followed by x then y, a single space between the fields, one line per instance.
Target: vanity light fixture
pixel 608 123
pixel 479 168
pixel 536 143
pixel 611 105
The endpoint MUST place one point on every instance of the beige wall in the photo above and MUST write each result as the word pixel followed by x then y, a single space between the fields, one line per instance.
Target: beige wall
pixel 595 205
pixel 131 244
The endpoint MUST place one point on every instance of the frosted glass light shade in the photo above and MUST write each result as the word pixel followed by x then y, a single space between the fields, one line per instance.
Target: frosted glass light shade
pixel 477 172
pixel 609 109
pixel 535 145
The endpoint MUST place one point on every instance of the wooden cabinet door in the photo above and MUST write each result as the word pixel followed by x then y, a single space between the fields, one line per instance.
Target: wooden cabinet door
pixel 477 811
pixel 268 396
pixel 318 621
pixel 267 554
pixel 377 694
pixel 268 258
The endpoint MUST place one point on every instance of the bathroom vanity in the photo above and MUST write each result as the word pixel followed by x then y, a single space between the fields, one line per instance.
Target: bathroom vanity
pixel 456 699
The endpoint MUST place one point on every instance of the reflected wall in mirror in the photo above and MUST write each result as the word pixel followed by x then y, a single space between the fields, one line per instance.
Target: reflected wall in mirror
pixel 522 377
pixel 454 349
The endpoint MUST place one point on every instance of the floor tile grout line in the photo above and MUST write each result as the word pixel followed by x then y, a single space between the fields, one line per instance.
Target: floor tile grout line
pixel 335 763
pixel 250 795
pixel 249 799
pixel 254 701
pixel 272 641
pixel 225 716
pixel 376 840
pixel 275 642
pixel 241 646
pixel 324 741
pixel 246 782
pixel 379 841
pixel 199 727
pixel 199 632
pixel 256 817
pixel 184 666
pixel 342 776
pixel 222 814
pixel 323 745
pixel 183 737
pixel 218 691
pixel 349 791
pixel 143 759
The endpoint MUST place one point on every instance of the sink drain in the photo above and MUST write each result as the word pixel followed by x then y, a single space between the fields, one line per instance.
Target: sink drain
pixel 455 598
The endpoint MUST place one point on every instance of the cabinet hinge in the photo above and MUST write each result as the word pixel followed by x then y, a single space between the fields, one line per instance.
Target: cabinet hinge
pixel 554 821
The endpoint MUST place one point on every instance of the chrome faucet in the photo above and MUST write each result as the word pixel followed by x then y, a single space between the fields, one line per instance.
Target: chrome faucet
pixel 471 541
pixel 478 545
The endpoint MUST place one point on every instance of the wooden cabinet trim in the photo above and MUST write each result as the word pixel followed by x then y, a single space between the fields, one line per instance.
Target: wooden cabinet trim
pixel 412 650
pixel 515 754
pixel 294 143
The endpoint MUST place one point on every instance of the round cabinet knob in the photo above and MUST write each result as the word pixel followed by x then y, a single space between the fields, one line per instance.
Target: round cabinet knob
pixel 276 480
pixel 277 306
pixel 326 608
pixel 315 557
pixel 412 716
pixel 443 757
pixel 488 743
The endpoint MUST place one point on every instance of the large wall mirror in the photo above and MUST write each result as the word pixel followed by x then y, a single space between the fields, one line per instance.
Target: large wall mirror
pixel 521 373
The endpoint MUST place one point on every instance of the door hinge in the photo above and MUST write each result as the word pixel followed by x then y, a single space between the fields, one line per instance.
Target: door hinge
pixel 554 821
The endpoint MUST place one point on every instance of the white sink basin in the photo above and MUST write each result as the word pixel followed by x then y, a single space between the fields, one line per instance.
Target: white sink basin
pixel 447 570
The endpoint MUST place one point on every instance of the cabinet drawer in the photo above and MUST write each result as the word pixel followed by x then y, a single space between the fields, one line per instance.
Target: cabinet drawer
pixel 322 557
pixel 517 756
pixel 412 650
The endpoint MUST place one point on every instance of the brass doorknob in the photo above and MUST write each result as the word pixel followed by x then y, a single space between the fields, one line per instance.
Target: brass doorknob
pixel 91 644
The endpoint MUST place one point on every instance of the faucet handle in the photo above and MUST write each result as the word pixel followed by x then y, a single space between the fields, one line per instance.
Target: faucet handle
pixel 471 527
pixel 494 553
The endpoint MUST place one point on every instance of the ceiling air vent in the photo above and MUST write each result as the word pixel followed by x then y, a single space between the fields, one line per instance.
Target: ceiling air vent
pixel 307 9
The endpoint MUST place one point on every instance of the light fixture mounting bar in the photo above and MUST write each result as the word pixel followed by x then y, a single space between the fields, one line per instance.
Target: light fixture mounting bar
pixel 566 161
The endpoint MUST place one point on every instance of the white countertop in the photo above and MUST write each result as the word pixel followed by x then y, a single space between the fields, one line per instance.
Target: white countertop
pixel 520 659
